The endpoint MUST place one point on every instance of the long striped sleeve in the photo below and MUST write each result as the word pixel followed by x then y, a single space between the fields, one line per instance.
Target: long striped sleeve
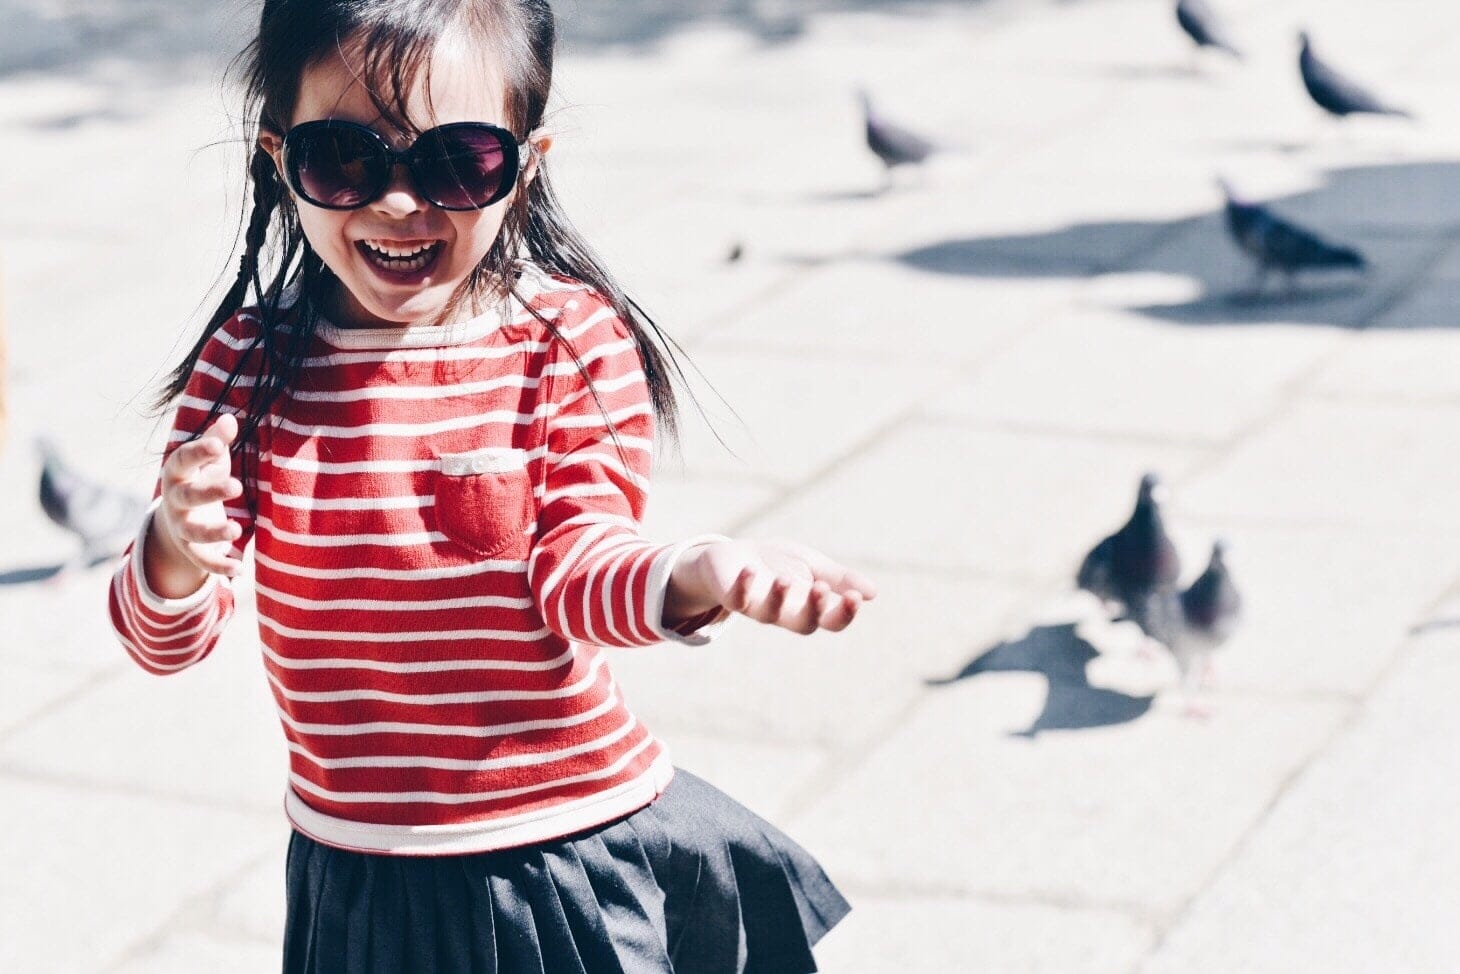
pixel 594 578
pixel 168 635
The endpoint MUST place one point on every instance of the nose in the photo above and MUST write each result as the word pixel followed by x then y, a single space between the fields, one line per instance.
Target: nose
pixel 400 198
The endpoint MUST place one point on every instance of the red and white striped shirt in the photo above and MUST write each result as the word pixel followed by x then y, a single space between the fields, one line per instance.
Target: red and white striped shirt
pixel 446 533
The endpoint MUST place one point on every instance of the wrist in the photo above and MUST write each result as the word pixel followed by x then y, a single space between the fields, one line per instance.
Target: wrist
pixel 169 573
pixel 687 595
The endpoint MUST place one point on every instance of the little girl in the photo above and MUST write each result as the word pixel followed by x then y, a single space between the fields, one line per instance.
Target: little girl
pixel 436 421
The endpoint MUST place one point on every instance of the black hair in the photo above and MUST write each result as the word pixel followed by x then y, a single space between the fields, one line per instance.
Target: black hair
pixel 395 39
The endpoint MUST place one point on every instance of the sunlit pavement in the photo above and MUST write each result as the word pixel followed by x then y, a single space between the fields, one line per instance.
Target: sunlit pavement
pixel 953 385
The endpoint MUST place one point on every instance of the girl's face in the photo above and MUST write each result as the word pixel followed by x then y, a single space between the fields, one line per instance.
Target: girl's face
pixel 465 86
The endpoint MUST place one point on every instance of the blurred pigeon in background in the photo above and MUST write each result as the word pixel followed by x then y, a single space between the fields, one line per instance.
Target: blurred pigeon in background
pixel 1210 609
pixel 103 517
pixel 894 144
pixel 1336 94
pixel 1194 623
pixel 1202 26
pixel 1138 560
pixel 1278 245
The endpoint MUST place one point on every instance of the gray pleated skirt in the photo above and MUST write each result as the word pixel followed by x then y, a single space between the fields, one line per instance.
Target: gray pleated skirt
pixel 694 883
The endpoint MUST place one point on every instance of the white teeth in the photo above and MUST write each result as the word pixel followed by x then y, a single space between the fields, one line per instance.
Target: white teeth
pixel 400 259
pixel 386 250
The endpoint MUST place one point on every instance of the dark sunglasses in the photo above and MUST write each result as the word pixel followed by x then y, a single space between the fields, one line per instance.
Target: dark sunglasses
pixel 341 165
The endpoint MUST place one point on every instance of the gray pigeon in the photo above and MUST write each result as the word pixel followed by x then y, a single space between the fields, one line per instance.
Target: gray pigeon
pixel 1194 623
pixel 1138 560
pixel 103 517
pixel 1203 27
pixel 1336 94
pixel 894 144
pixel 1211 610
pixel 1279 245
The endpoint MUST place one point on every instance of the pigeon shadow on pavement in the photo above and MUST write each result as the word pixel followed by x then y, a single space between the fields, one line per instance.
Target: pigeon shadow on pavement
pixel 31 574
pixel 1061 654
pixel 1406 212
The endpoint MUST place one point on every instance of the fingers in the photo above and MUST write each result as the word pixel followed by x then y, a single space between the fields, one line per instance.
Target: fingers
pixel 791 604
pixel 839 577
pixel 196 493
pixel 199 530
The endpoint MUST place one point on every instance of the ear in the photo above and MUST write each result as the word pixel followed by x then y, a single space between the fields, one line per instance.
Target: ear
pixel 537 148
pixel 273 143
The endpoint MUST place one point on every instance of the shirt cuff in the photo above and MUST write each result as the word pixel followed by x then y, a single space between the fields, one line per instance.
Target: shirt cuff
pixel 658 588
pixel 153 601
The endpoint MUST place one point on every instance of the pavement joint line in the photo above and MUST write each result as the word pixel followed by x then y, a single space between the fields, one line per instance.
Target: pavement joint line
pixel 1404 650
pixel 112 673
pixel 90 786
pixel 1435 402
pixel 865 443
pixel 967 573
pixel 1017 428
pixel 1215 520
pixel 199 914
pixel 1061 901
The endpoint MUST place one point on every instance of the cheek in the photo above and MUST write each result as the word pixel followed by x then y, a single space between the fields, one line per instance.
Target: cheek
pixel 476 232
pixel 324 229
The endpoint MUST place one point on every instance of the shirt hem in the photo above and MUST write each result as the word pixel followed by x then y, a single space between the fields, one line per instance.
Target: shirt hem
pixel 484 836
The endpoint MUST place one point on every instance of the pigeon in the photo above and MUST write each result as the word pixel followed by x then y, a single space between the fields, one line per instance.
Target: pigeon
pixel 1192 624
pixel 1336 94
pixel 1278 245
pixel 103 517
pixel 1136 561
pixel 1210 612
pixel 892 143
pixel 1203 27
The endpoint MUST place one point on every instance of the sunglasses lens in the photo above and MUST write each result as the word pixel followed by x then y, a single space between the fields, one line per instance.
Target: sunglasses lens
pixel 462 168
pixel 337 166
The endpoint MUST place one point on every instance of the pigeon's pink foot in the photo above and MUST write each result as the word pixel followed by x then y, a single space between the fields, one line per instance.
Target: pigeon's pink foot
pixel 1196 710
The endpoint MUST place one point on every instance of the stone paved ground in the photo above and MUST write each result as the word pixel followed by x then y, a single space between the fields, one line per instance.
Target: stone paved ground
pixel 954 386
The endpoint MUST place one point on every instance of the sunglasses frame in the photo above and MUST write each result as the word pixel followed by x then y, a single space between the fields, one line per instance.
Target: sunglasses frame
pixel 514 159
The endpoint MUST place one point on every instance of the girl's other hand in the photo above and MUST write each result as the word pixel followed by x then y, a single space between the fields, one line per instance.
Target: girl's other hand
pixel 777 582
pixel 196 479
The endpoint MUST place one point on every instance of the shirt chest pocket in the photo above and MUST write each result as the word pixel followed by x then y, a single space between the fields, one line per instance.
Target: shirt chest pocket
pixel 484 501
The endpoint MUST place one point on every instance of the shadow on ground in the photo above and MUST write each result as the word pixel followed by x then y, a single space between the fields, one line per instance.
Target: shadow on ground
pixel 1062 655
pixel 126 48
pixel 1402 216
pixel 596 23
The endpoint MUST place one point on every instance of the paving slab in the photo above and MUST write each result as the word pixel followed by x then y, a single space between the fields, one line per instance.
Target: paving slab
pixel 681 506
pixel 885 312
pixel 1377 465
pixel 187 953
pixel 215 723
pixel 783 418
pixel 1016 505
pixel 937 935
pixel 251 906
pixel 1134 815
pixel 1353 870
pixel 122 864
pixel 27 689
pixel 1139 379
pixel 1411 364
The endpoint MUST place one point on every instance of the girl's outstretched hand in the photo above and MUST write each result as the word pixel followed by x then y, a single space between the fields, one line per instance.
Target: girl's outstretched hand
pixel 778 582
pixel 196 480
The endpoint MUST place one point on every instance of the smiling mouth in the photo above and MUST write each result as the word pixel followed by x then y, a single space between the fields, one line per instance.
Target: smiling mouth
pixel 400 258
